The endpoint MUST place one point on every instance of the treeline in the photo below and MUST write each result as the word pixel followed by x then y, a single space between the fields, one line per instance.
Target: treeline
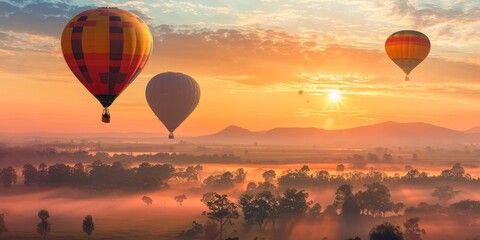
pixel 44 227
pixel 18 155
pixel 255 213
pixel 99 176
pixel 466 212
pixel 304 177
pixel 146 176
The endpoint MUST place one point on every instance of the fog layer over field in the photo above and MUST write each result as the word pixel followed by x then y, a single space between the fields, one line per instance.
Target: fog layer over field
pixel 119 215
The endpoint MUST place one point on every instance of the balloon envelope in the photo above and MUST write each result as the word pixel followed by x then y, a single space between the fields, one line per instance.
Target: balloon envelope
pixel 106 48
pixel 300 92
pixel 172 97
pixel 407 49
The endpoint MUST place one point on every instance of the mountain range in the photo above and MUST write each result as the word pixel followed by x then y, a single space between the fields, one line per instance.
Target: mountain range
pixel 382 134
pixel 386 133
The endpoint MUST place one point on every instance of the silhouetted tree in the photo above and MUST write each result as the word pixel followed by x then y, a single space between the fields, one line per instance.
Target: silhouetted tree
pixel 408 167
pixel 269 175
pixel 444 193
pixel 314 211
pixel 412 229
pixel 8 177
pixel 96 163
pixel 424 208
pixel 341 194
pixel 387 157
pixel 412 174
pixel 222 210
pixel 257 209
pixel 221 181
pixel 246 203
pixel 43 228
pixel 358 158
pixel 467 210
pixel 330 210
pixel 294 177
pixel 240 175
pixel 322 176
pixel 207 197
pixel 456 172
pixel 350 209
pixel 42 174
pixel 192 173
pixel 265 186
pixel 88 226
pixel 180 199
pixel 192 233
pixel 147 200
pixel 43 215
pixel 398 207
pixel 3 225
pixel 375 200
pixel 59 174
pixel 294 203
pixel 385 231
pixel 30 174
pixel 79 174
pixel 251 186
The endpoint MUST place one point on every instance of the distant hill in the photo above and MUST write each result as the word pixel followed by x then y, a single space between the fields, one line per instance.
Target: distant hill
pixel 473 130
pixel 387 133
pixel 382 134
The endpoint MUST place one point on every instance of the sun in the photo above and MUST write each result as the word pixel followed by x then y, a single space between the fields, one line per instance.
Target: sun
pixel 334 96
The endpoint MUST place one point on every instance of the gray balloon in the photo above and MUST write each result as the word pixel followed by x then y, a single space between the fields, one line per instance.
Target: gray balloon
pixel 172 97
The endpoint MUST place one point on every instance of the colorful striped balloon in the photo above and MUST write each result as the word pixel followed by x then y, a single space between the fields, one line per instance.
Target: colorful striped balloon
pixel 106 49
pixel 407 49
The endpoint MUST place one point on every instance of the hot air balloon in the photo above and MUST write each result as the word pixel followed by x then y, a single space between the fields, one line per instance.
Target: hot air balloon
pixel 407 49
pixel 106 49
pixel 172 97
pixel 300 92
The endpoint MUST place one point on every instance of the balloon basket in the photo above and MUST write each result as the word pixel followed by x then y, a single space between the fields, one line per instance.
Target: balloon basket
pixel 170 136
pixel 106 116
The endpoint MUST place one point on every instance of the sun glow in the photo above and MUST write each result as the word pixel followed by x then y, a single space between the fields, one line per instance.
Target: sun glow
pixel 334 96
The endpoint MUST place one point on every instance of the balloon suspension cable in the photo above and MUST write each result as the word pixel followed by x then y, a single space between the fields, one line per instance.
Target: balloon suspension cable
pixel 106 115
pixel 170 136
pixel 407 78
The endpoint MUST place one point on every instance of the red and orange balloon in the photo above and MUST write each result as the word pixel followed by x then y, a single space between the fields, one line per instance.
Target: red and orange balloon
pixel 106 49
pixel 407 49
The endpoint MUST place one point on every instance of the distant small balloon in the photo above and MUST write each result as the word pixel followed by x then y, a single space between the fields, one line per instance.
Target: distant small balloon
pixel 300 92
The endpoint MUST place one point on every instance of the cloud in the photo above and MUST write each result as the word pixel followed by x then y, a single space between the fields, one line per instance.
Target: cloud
pixel 448 22
pixel 25 44
pixel 49 18
pixel 40 17
pixel 36 27
pixel 252 59
pixel 425 15
pixel 190 7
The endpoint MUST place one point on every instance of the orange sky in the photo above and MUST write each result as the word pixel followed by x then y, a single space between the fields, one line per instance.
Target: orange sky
pixel 250 67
